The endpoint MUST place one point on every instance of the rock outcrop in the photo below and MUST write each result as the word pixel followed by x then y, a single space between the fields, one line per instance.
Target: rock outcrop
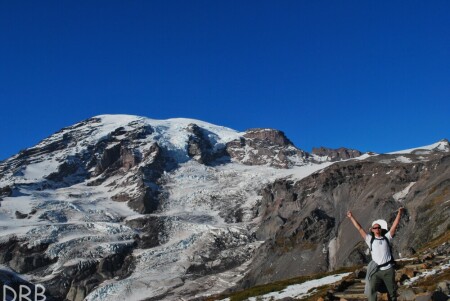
pixel 266 147
pixel 199 146
pixel 338 154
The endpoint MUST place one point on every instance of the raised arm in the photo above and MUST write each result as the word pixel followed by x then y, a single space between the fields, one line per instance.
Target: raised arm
pixel 396 221
pixel 356 224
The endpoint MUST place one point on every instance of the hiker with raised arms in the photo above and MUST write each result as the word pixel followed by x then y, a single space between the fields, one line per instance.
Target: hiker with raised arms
pixel 381 268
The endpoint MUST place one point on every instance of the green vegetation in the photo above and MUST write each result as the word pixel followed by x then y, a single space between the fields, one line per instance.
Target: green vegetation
pixel 439 199
pixel 443 238
pixel 277 286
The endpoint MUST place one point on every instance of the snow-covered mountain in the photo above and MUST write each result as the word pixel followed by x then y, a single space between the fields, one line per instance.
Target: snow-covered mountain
pixel 122 206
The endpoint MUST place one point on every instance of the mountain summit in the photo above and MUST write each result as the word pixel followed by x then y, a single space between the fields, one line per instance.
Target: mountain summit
pixel 121 206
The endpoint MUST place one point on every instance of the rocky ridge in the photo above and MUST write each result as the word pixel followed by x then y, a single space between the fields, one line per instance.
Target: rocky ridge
pixel 266 147
pixel 333 155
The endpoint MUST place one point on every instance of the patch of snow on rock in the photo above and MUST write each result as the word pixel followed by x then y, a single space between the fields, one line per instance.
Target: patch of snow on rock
pixel 299 291
pixel 401 195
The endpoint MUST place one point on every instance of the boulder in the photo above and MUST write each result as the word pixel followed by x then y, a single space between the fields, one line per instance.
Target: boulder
pixel 444 287
pixel 424 297
pixel 406 295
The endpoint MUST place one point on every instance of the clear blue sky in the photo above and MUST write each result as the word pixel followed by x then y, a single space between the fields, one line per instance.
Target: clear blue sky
pixel 370 75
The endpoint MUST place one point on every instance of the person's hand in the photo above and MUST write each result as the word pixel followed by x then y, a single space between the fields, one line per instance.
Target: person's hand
pixel 401 210
pixel 349 214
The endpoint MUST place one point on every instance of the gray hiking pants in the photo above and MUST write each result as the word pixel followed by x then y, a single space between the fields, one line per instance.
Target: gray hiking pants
pixel 388 278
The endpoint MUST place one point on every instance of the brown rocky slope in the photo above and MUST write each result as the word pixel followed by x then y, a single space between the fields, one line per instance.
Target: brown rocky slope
pixel 304 223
